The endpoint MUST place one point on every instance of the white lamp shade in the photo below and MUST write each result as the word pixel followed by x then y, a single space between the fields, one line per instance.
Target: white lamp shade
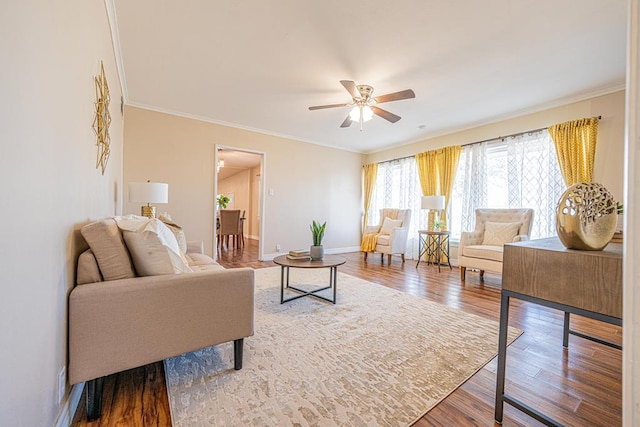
pixel 149 192
pixel 433 202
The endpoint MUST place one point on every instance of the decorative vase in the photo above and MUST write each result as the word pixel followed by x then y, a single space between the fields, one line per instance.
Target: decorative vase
pixel 316 252
pixel 586 217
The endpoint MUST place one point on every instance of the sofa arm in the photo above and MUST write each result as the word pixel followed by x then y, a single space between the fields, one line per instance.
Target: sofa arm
pixel 469 238
pixel 122 324
pixel 195 247
pixel 521 238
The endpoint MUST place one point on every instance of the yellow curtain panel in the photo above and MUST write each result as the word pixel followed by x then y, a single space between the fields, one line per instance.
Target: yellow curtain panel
pixel 427 171
pixel 575 144
pixel 447 161
pixel 370 175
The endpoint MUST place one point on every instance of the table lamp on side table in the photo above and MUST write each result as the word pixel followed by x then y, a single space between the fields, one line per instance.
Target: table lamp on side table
pixel 433 204
pixel 148 192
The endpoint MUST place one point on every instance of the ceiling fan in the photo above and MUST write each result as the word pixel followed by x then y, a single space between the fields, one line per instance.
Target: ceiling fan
pixel 364 105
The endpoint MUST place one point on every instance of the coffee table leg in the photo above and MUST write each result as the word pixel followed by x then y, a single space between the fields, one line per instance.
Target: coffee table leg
pixel 281 284
pixel 334 276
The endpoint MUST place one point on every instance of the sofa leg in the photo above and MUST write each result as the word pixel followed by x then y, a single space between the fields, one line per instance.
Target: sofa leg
pixel 389 259
pixel 481 274
pixel 237 353
pixel 94 398
pixel 402 256
pixel 463 271
pixel 382 258
pixel 365 255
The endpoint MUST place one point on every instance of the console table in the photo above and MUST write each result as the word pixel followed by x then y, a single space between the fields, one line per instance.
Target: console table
pixel 587 283
pixel 434 244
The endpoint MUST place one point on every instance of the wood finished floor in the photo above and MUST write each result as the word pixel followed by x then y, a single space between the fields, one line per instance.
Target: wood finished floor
pixel 581 386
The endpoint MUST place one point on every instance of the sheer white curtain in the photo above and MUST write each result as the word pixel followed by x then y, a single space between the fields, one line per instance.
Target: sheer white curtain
pixel 514 172
pixel 398 186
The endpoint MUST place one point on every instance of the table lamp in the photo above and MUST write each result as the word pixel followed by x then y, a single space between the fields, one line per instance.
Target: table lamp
pixel 433 204
pixel 148 192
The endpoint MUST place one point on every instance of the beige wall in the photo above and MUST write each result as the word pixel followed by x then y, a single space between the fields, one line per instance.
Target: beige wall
pixel 49 186
pixel 237 184
pixel 608 168
pixel 253 216
pixel 307 181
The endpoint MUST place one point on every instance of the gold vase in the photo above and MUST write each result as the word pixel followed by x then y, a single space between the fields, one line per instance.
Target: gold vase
pixel 586 217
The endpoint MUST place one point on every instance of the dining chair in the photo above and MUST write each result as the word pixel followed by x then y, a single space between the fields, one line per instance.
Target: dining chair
pixel 229 226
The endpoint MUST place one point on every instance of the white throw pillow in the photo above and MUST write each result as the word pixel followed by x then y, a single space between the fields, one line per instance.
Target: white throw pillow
pixel 389 224
pixel 499 233
pixel 177 231
pixel 153 247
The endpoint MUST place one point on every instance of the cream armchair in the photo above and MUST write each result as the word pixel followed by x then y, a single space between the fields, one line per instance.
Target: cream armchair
pixel 391 238
pixel 483 248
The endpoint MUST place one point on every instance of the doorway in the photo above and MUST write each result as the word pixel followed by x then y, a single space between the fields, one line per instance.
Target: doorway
pixel 239 176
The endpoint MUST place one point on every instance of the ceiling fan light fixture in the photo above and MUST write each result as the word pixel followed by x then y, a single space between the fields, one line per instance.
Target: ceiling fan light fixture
pixel 367 113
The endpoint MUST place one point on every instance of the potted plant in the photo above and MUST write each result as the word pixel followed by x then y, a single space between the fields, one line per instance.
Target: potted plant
pixel 316 251
pixel 438 224
pixel 222 201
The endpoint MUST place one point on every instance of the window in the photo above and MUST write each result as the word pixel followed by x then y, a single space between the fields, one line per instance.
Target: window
pixel 514 172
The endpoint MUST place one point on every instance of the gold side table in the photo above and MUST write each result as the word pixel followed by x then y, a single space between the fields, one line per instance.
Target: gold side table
pixel 434 244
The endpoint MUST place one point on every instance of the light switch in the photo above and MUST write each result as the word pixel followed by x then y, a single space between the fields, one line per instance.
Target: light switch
pixel 271 191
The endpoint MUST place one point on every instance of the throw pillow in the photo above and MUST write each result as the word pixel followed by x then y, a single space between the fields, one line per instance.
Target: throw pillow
pixel 153 247
pixel 499 233
pixel 389 224
pixel 177 231
pixel 105 240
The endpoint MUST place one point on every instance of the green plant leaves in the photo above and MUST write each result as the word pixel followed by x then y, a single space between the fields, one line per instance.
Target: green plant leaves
pixel 317 232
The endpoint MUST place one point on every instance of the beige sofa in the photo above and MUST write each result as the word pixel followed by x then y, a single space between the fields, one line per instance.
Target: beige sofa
pixel 119 321
pixel 483 248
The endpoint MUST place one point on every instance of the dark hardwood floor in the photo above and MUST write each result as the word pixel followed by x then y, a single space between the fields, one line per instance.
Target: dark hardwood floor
pixel 580 386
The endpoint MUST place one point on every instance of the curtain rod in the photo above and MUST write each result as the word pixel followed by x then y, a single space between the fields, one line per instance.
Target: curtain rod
pixel 484 140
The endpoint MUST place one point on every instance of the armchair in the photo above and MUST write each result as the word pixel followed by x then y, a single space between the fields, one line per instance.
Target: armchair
pixel 390 238
pixel 483 248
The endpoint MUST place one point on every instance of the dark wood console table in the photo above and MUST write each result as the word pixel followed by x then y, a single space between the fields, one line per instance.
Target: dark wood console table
pixel 587 283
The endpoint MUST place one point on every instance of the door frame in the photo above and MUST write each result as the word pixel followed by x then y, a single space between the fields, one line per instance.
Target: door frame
pixel 261 197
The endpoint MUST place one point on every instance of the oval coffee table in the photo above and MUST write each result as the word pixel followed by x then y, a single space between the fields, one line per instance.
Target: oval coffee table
pixel 329 261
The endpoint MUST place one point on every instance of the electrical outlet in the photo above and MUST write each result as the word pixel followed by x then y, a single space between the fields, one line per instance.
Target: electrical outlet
pixel 277 248
pixel 62 383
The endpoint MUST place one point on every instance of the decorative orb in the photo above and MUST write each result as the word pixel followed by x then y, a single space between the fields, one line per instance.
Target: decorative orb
pixel 586 217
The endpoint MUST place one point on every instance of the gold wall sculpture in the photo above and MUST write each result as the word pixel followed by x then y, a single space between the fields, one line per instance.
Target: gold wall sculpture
pixel 102 119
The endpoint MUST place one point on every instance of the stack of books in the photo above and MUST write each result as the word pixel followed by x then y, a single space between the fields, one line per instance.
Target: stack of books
pixel 298 254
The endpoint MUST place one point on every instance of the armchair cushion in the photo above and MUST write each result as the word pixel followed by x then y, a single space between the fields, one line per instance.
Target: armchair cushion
pixel 499 233
pixel 388 225
pixel 493 253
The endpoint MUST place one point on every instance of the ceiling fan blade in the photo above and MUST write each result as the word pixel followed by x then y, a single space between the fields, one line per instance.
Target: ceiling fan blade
pixel 351 88
pixel 385 114
pixel 346 123
pixel 396 96
pixel 320 107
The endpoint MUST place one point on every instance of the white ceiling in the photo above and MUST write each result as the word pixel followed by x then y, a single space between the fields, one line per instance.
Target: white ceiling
pixel 259 64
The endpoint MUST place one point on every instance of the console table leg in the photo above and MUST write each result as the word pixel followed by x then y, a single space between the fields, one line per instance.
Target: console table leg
pixel 565 329
pixel 502 357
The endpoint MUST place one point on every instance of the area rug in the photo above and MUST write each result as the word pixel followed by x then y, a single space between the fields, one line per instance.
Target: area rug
pixel 379 357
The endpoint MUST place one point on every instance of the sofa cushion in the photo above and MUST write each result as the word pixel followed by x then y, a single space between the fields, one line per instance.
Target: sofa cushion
pixel 153 247
pixel 389 224
pixel 106 243
pixel 493 253
pixel 177 231
pixel 499 233
pixel 384 240
pixel 207 267
pixel 194 259
pixel 88 270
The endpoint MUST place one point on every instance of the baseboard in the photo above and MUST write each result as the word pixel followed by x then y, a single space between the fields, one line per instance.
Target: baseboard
pixel 70 406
